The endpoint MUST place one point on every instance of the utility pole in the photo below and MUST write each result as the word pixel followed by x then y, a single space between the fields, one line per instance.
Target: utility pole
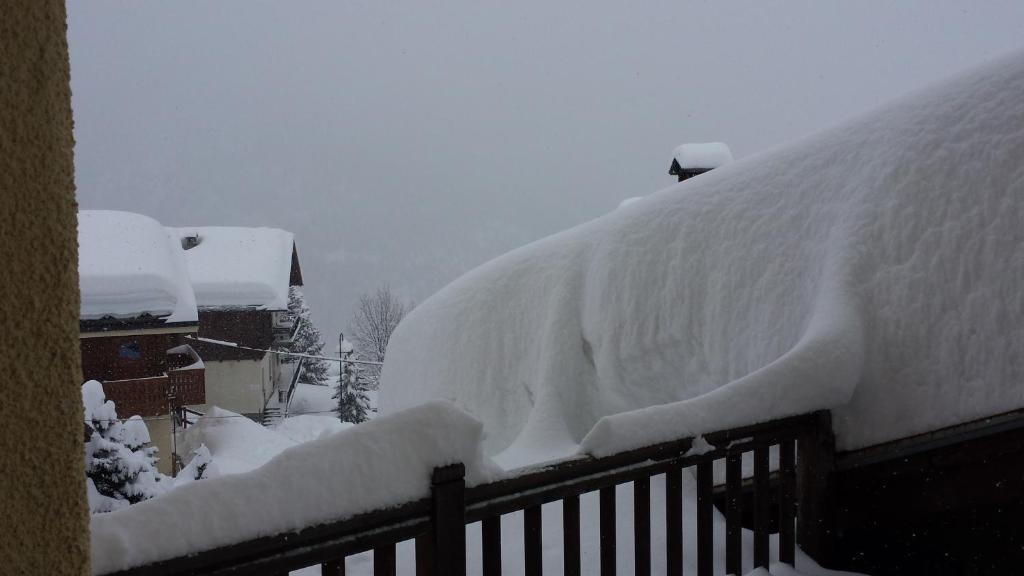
pixel 173 402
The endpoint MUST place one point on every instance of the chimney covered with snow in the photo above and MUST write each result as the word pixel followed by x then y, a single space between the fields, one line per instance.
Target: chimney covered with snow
pixel 190 241
pixel 689 160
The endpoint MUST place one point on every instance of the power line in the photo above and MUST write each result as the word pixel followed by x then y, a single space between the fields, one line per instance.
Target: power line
pixel 168 417
pixel 279 352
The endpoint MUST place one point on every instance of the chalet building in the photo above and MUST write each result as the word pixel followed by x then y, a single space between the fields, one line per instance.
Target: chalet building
pixel 241 278
pixel 137 308
pixel 694 159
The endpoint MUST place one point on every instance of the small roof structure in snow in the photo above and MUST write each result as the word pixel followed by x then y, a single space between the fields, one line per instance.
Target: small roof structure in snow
pixel 689 160
pixel 233 267
pixel 133 270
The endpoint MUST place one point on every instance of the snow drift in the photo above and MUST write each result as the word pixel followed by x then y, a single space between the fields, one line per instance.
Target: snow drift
pixel 876 268
pixel 378 464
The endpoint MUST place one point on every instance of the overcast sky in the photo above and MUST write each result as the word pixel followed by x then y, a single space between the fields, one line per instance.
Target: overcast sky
pixel 407 142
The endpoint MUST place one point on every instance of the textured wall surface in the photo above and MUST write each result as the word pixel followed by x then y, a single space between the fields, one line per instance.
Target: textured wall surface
pixel 45 523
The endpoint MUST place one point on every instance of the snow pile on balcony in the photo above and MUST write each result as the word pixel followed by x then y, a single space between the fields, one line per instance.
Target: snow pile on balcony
pixel 378 464
pixel 706 155
pixel 240 267
pixel 128 266
pixel 876 268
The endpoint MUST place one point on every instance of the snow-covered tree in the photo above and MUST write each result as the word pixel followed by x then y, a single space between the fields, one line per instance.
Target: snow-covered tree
pixel 308 340
pixel 136 438
pixel 353 405
pixel 376 317
pixel 121 468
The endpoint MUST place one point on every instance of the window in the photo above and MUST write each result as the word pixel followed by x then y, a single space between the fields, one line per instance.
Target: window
pixel 130 351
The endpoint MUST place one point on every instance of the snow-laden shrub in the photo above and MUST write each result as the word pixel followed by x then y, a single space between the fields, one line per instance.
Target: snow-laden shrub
pixel 119 462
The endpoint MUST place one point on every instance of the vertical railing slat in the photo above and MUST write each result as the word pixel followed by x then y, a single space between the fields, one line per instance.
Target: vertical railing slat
pixel 533 540
pixel 705 517
pixel 333 568
pixel 816 511
pixel 491 532
pixel 424 555
pixel 734 514
pixel 571 535
pixel 642 526
pixel 607 526
pixel 384 560
pixel 762 495
pixel 448 518
pixel 787 502
pixel 674 522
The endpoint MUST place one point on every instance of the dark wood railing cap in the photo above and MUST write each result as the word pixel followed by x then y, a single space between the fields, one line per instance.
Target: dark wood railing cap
pixel 449 473
pixel 438 522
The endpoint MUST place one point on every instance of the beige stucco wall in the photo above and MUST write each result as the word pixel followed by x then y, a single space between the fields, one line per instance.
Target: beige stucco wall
pixel 160 433
pixel 45 523
pixel 238 385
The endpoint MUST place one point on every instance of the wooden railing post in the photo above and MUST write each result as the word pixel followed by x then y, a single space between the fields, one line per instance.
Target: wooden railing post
pixel 448 520
pixel 815 531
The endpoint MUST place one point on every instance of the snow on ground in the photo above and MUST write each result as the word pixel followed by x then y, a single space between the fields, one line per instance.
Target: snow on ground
pixel 239 444
pixel 130 265
pixel 240 266
pixel 315 399
pixel 312 398
pixel 236 443
pixel 379 463
pixel 305 428
pixel 874 268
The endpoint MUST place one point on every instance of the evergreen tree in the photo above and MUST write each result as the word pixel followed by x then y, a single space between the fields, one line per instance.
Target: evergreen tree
pixel 353 405
pixel 136 438
pixel 308 340
pixel 121 468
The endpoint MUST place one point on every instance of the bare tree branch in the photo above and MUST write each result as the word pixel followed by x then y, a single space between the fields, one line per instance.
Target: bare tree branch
pixel 375 318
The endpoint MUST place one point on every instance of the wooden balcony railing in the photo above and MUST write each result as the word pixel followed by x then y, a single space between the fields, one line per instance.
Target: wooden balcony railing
pixel 438 523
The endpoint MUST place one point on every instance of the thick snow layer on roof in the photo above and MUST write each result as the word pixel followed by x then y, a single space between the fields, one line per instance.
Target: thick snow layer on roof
pixel 240 267
pixel 876 268
pixel 377 464
pixel 130 265
pixel 702 155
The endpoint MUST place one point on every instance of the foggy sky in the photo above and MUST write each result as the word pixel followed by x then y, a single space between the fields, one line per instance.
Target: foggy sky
pixel 407 142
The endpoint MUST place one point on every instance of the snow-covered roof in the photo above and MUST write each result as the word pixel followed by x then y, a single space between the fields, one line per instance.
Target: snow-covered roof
pixel 879 273
pixel 240 267
pixel 706 155
pixel 129 265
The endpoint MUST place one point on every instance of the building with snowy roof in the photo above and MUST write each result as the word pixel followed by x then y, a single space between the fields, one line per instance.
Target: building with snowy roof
pixel 241 279
pixel 694 159
pixel 137 310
